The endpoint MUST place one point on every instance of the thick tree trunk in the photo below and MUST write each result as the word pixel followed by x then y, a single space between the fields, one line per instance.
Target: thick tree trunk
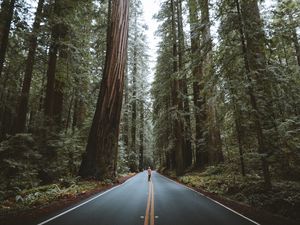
pixel 252 39
pixel 184 89
pixel 23 102
pixel 176 101
pixel 99 159
pixel 53 52
pixel 214 142
pixel 59 84
pixel 199 112
pixel 6 15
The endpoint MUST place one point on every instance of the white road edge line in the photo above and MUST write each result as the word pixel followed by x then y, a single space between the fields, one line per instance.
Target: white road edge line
pixel 211 200
pixel 83 203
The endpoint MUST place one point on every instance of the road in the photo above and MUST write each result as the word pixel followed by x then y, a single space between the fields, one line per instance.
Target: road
pixel 139 202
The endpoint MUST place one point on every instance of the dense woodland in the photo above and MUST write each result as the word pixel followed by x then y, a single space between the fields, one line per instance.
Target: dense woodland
pixel 76 97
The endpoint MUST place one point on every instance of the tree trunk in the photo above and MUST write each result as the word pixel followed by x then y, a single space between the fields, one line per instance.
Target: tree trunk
pixel 214 142
pixel 252 39
pixel 99 159
pixel 199 112
pixel 53 51
pixel 6 15
pixel 125 133
pixel 141 150
pixel 23 102
pixel 134 105
pixel 296 45
pixel 187 152
pixel 176 101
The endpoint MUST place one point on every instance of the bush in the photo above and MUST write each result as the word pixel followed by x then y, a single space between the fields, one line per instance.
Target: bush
pixel 19 158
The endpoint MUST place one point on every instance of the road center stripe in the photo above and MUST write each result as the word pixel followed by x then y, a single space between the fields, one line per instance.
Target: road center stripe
pixel 150 205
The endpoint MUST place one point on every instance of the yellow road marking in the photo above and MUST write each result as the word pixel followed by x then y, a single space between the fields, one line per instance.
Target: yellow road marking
pixel 148 204
pixel 152 206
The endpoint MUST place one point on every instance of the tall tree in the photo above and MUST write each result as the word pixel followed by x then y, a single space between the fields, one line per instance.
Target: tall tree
pixel 22 108
pixel 134 91
pixel 99 160
pixel 176 100
pixel 142 127
pixel 253 40
pixel 198 88
pixel 214 145
pixel 187 153
pixel 6 15
pixel 52 62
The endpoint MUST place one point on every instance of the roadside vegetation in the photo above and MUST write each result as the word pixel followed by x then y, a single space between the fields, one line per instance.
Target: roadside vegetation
pixel 221 182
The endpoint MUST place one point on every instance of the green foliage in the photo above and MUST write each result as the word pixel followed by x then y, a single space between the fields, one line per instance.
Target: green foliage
pixel 46 194
pixel 63 154
pixel 27 160
pixel 283 198
pixel 19 165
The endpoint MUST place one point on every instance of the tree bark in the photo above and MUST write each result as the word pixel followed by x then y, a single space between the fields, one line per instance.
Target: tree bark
pixel 187 152
pixel 252 39
pixel 214 142
pixel 134 100
pixel 176 102
pixel 141 150
pixel 6 15
pixel 296 45
pixel 53 51
pixel 199 112
pixel 100 156
pixel 22 108
pixel 125 133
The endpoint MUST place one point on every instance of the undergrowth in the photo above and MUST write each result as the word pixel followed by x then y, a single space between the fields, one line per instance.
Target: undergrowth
pixel 283 198
pixel 43 195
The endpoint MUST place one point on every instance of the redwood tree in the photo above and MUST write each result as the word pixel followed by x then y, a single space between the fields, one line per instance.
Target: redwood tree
pixel 23 102
pixel 99 160
pixel 6 15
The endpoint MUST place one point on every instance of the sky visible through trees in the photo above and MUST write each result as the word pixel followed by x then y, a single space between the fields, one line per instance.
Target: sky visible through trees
pixel 151 7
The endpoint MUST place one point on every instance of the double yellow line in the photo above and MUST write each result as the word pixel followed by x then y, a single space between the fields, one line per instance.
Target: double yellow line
pixel 150 205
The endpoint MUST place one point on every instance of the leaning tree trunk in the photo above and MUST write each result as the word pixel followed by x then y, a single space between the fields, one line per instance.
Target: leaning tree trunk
pixel 99 160
pixel 23 104
pixel 6 15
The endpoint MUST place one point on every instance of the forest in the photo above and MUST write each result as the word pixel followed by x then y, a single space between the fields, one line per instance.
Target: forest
pixel 81 106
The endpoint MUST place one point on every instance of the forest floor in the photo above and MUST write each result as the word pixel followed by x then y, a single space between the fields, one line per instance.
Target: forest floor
pixel 38 202
pixel 278 206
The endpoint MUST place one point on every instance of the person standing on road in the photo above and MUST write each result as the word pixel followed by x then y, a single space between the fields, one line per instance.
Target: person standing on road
pixel 149 173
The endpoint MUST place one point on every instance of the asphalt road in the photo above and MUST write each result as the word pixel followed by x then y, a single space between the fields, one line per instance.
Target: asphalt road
pixel 139 202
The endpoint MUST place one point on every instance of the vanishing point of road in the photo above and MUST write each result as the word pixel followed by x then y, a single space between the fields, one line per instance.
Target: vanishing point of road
pixel 139 202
